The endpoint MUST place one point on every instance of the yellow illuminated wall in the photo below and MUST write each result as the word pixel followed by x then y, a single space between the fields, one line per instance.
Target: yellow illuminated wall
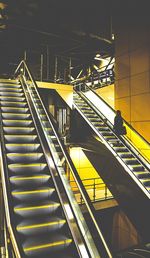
pixel 82 164
pixel 132 71
pixel 107 93
pixel 64 90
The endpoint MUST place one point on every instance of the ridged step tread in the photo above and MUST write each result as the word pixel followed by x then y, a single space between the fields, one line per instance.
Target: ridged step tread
pixel 29 210
pixel 34 194
pixel 25 157
pixel 28 180
pixel 22 147
pixel 13 104
pixel 27 168
pixel 38 226
pixel 20 138
pixel 36 246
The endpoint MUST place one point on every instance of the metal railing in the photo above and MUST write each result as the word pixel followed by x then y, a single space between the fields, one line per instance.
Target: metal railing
pixel 96 189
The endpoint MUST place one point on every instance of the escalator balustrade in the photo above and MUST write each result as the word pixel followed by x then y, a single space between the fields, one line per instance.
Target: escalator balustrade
pixel 117 145
pixel 37 216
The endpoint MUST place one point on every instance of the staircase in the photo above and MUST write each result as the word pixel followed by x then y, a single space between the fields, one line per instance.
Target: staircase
pixel 37 215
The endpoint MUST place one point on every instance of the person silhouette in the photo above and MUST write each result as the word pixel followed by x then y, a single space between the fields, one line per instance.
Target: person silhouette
pixel 118 123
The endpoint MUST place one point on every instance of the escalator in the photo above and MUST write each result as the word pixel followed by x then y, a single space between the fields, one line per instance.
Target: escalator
pixel 124 170
pixel 37 214
pixel 42 215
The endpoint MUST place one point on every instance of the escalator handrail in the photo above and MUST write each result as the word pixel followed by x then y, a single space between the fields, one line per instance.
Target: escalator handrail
pixel 70 163
pixel 129 125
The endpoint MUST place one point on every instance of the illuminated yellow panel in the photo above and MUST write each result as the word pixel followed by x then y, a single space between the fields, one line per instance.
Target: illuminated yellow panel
pixel 82 164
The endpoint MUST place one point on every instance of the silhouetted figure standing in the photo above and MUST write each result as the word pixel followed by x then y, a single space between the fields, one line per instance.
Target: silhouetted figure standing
pixel 118 123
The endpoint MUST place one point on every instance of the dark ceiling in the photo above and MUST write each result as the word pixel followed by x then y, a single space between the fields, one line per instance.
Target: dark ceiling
pixel 63 28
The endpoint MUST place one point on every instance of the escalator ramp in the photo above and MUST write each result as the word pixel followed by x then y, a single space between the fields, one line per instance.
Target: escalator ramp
pixel 37 216
pixel 124 153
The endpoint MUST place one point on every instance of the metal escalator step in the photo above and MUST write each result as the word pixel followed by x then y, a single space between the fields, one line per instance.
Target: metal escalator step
pixel 14 122
pixel 29 210
pixel 16 115
pixel 145 181
pixel 37 246
pixel 107 133
pixel 16 99
pixel 12 85
pixel 13 104
pixel 37 180
pixel 15 109
pixel 13 94
pixel 142 174
pixel 109 137
pixel 20 138
pixel 22 147
pixel 137 167
pixel 125 155
pixel 9 89
pixel 131 161
pixel 27 168
pixel 121 149
pixel 18 130
pixel 33 195
pixel 40 226
pixel 25 157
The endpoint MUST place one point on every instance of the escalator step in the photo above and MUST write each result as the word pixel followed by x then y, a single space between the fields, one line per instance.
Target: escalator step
pixel 16 104
pixel 14 122
pixel 20 138
pixel 15 109
pixel 37 180
pixel 40 226
pixel 23 148
pixel 131 161
pixel 31 195
pixel 10 89
pixel 45 245
pixel 125 155
pixel 142 174
pixel 137 167
pixel 27 168
pixel 18 130
pixel 31 210
pixel 25 157
pixel 13 94
pixel 11 98
pixel 16 115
